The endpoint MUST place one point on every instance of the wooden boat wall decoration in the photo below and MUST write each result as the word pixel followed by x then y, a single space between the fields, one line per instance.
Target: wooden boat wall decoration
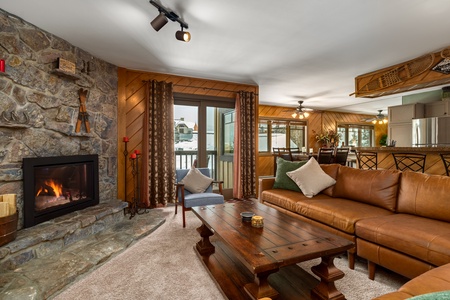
pixel 421 72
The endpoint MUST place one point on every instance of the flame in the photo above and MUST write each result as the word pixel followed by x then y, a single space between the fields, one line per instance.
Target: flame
pixel 57 188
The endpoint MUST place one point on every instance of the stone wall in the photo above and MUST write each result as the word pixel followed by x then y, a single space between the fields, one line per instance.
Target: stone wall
pixel 39 107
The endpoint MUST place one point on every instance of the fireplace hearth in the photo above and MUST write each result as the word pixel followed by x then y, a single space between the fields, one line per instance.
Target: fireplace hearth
pixel 55 186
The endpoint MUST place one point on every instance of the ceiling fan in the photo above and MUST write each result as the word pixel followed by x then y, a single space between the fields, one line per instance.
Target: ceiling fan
pixel 301 112
pixel 380 118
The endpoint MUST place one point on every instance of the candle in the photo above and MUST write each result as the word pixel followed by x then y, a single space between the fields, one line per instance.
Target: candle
pixel 133 156
pixel 2 65
pixel 257 221
pixel 126 139
pixel 137 151
pixel 4 209
pixel 11 199
pixel 311 150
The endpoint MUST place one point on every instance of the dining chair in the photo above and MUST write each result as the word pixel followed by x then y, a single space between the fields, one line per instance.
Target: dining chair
pixel 410 161
pixel 188 199
pixel 325 155
pixel 283 152
pixel 340 156
pixel 446 160
pixel 367 160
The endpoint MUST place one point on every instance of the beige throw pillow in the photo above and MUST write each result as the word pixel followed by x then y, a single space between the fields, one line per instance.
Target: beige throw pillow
pixel 311 179
pixel 195 182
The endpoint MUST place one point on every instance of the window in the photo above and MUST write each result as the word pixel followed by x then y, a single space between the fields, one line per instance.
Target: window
pixel 355 135
pixel 280 133
pixel 228 131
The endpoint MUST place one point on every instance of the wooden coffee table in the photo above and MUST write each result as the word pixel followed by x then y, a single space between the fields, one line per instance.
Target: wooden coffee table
pixel 252 263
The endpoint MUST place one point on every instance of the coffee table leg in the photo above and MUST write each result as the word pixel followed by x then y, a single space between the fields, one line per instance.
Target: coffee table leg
pixel 328 274
pixel 261 287
pixel 204 246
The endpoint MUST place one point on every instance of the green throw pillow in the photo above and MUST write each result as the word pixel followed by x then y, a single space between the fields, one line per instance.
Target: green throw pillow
pixel 444 295
pixel 282 181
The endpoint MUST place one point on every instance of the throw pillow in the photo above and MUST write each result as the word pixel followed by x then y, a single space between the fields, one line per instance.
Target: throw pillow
pixel 442 295
pixel 282 181
pixel 311 179
pixel 195 182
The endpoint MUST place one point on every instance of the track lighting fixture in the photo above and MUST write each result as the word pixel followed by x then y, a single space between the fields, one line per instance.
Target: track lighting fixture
pixel 183 35
pixel 159 22
pixel 162 19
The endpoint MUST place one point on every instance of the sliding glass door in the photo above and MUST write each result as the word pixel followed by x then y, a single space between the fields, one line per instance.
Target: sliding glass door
pixel 204 136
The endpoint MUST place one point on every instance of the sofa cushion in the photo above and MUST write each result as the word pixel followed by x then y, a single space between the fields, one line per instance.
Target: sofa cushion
pixel 283 198
pixel 422 238
pixel 425 195
pixel 332 171
pixel 338 213
pixel 311 179
pixel 375 187
pixel 282 180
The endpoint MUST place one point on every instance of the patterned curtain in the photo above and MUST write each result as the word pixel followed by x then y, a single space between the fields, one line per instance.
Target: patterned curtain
pixel 244 146
pixel 158 165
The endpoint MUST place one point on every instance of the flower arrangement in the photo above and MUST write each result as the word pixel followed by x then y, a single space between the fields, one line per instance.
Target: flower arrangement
pixel 328 137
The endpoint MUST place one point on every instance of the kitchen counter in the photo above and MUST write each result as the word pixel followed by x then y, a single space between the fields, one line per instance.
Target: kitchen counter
pixel 433 163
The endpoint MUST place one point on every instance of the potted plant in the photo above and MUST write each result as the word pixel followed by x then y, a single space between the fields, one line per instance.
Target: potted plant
pixel 383 140
pixel 328 139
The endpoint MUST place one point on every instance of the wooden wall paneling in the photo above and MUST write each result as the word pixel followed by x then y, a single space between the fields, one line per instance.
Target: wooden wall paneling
pixel 132 107
pixel 121 132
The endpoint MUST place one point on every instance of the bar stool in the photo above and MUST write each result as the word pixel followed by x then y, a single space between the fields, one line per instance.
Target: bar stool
pixel 410 161
pixel 446 160
pixel 367 160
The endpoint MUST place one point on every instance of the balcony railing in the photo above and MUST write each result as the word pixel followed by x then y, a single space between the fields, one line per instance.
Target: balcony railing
pixel 185 159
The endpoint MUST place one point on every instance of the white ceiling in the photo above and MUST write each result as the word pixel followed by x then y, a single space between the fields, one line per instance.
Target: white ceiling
pixel 293 49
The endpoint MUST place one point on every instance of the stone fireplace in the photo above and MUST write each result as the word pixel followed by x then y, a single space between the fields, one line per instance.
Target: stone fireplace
pixel 39 109
pixel 62 184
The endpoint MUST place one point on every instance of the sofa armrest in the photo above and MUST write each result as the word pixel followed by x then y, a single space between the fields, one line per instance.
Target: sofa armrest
pixel 265 183
pixel 435 280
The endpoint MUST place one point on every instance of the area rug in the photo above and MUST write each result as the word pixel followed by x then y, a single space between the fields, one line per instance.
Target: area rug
pixel 165 266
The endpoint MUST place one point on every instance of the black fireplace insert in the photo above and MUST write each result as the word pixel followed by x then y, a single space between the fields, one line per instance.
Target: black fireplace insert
pixel 55 186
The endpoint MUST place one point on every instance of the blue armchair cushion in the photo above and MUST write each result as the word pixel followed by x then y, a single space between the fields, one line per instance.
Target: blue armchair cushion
pixel 195 182
pixel 192 200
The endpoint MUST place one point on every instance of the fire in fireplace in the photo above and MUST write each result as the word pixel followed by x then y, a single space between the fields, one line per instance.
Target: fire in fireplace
pixel 55 186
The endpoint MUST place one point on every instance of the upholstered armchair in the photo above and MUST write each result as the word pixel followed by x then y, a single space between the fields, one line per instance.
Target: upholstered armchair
pixel 194 187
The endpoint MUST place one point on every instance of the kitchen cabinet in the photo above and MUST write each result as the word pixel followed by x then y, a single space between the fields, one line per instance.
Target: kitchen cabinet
pixel 401 133
pixel 405 113
pixel 437 109
pixel 400 122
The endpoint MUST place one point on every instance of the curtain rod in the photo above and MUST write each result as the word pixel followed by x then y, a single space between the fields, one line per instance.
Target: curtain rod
pixel 207 88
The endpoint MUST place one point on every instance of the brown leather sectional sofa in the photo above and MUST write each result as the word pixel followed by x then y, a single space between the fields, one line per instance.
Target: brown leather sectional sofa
pixel 399 220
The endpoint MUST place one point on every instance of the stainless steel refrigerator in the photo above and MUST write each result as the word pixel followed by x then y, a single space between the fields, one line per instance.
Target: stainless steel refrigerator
pixel 431 132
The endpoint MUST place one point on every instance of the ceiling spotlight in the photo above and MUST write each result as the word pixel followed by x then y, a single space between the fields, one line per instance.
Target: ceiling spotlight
pixel 159 21
pixel 165 15
pixel 184 36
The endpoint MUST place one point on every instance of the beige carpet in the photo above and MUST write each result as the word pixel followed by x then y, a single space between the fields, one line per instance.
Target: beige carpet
pixel 165 266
